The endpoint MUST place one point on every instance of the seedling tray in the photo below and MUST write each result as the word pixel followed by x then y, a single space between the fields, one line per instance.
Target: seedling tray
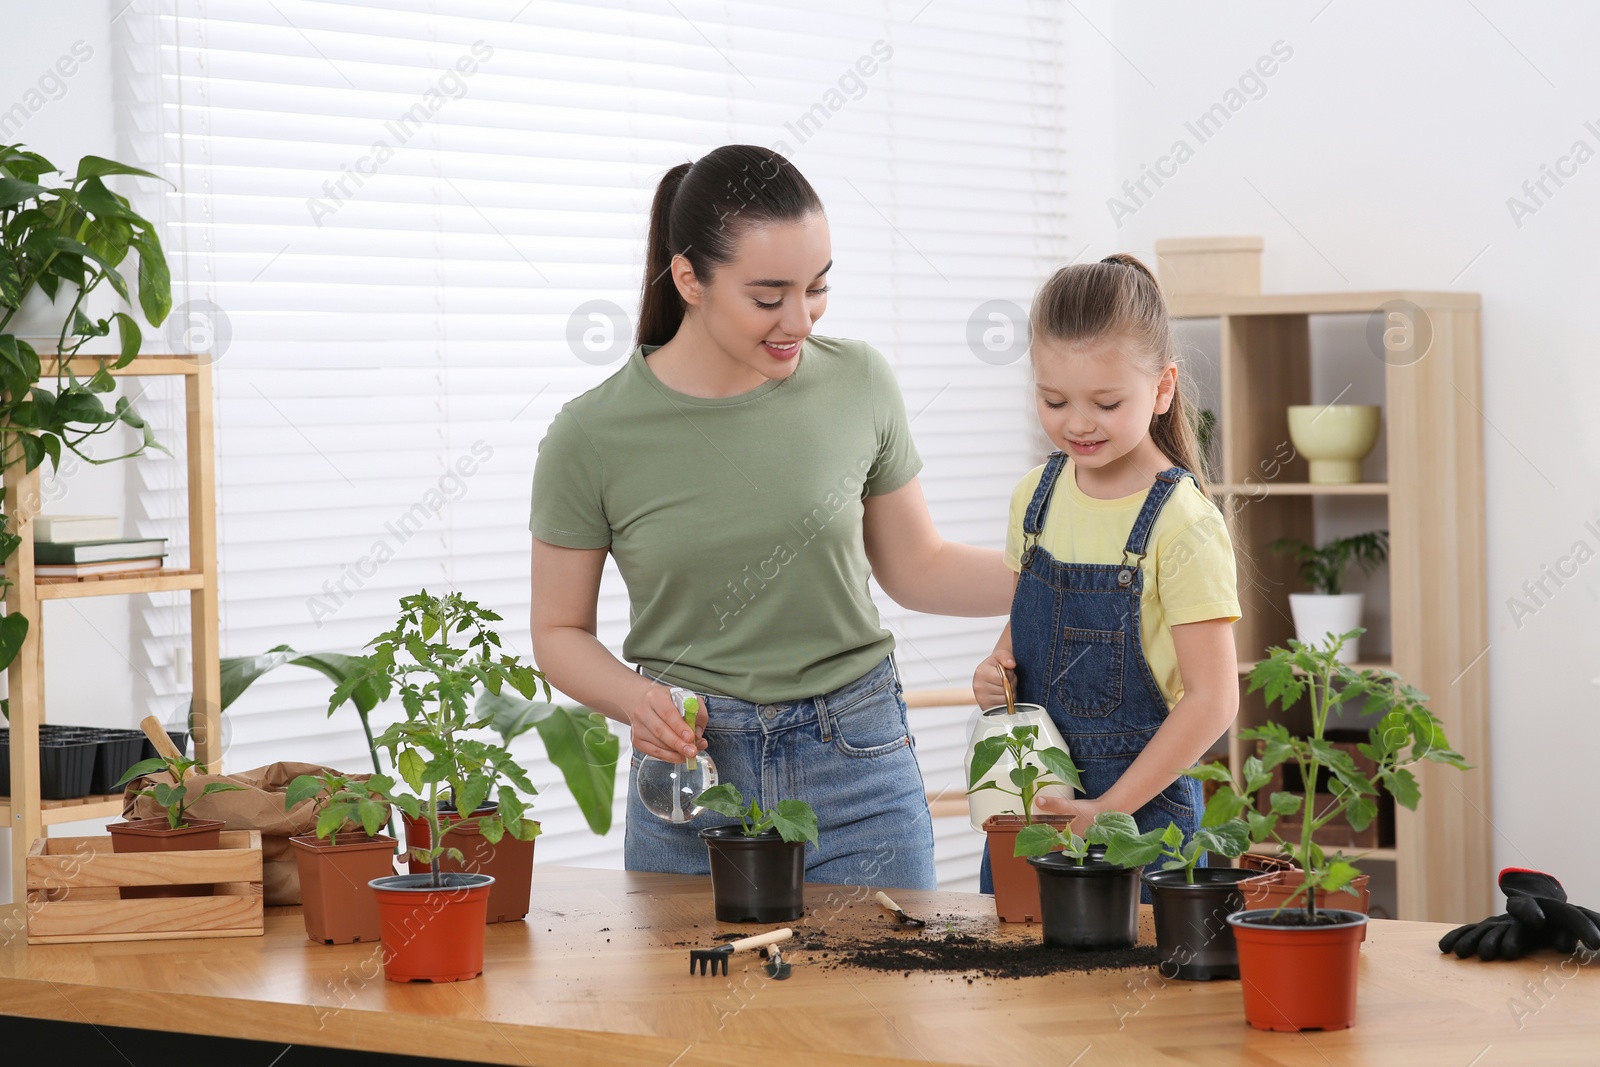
pixel 74 893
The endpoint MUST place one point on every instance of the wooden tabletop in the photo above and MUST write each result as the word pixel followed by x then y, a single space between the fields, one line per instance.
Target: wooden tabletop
pixel 596 975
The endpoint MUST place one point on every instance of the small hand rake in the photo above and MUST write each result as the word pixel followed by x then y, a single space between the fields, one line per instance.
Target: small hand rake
pixel 716 959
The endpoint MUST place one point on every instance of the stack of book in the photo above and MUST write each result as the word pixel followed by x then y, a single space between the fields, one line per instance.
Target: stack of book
pixel 85 546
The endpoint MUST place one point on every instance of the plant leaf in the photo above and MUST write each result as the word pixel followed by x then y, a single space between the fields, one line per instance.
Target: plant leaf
pixel 795 821
pixel 1037 839
pixel 724 799
pixel 1059 764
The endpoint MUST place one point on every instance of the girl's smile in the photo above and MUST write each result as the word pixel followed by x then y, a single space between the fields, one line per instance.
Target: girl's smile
pixel 1097 403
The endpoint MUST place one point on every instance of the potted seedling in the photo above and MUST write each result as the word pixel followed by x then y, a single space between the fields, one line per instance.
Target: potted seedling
pixel 1192 903
pixel 1329 610
pixel 433 923
pixel 344 854
pixel 1031 770
pixel 758 865
pixel 1088 894
pixel 174 831
pixel 1298 963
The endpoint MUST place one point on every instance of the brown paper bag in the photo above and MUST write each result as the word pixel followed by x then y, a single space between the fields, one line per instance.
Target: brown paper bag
pixel 258 805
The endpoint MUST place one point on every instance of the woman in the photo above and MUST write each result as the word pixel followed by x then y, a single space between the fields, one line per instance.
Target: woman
pixel 746 474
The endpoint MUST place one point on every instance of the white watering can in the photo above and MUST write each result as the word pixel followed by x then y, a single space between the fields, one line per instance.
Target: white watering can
pixel 1002 719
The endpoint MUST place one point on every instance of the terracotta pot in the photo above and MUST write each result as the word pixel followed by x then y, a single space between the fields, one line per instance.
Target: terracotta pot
pixel 1191 920
pixel 1299 977
pixel 154 835
pixel 759 879
pixel 432 934
pixel 339 907
pixel 1273 889
pixel 1016 887
pixel 509 863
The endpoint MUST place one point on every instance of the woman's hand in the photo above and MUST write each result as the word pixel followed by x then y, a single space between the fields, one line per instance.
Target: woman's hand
pixel 986 686
pixel 658 727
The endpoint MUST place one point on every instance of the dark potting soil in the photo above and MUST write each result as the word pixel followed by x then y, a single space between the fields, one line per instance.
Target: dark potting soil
pixel 974 956
pixel 1297 917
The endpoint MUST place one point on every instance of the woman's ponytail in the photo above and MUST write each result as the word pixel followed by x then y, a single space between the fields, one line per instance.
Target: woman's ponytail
pixel 660 306
pixel 699 211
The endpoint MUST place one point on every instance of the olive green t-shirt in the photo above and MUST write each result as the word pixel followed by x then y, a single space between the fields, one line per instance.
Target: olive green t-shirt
pixel 736 521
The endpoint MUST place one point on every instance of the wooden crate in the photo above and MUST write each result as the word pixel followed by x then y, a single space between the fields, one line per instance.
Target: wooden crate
pixel 1336 833
pixel 73 891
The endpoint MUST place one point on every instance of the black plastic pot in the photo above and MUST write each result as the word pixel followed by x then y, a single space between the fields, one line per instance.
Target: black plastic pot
pixel 180 738
pixel 66 767
pixel 118 750
pixel 757 879
pixel 1093 906
pixel 1192 931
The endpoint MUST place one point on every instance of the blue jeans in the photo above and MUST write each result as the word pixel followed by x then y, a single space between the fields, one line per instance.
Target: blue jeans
pixel 847 753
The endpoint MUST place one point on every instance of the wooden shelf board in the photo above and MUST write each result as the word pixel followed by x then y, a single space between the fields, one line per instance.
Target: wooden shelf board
pixel 84 366
pixel 121 585
pixel 53 812
pixel 1300 489
pixel 1357 303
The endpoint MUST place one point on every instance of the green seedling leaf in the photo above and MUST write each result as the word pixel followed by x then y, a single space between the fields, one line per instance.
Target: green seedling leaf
pixel 795 821
pixel 1133 850
pixel 724 799
pixel 1036 840
pixel 1286 803
pixel 985 754
pixel 1060 766
pixel 1229 839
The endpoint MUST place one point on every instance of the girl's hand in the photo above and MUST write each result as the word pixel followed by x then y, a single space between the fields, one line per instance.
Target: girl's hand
pixel 986 687
pixel 1080 811
pixel 659 730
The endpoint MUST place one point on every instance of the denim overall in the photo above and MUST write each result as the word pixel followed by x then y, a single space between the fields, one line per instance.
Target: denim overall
pixel 1076 639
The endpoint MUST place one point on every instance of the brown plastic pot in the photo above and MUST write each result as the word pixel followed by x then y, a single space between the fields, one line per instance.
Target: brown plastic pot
pixel 1016 887
pixel 432 934
pixel 154 835
pixel 1299 977
pixel 1273 890
pixel 509 863
pixel 338 903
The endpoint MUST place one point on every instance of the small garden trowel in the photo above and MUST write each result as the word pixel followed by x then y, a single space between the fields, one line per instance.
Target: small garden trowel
pixel 899 913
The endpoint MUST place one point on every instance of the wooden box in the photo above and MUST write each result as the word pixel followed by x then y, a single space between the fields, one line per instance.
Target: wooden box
pixel 73 891
pixel 1209 266
pixel 1336 833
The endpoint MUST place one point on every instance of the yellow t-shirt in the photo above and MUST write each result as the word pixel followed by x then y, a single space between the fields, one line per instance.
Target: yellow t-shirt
pixel 1189 569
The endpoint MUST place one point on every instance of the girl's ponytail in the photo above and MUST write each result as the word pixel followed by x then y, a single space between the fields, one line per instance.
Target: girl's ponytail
pixel 660 306
pixel 1119 294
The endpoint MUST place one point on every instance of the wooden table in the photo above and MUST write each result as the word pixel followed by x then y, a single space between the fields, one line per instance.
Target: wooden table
pixel 594 976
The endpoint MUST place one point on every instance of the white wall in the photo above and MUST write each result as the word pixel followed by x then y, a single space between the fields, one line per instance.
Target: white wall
pixel 1382 154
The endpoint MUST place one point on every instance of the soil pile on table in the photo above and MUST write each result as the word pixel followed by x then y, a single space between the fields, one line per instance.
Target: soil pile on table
pixel 974 957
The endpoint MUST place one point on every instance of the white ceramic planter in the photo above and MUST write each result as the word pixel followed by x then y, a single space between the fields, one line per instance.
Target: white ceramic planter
pixel 1000 720
pixel 1316 615
pixel 1335 438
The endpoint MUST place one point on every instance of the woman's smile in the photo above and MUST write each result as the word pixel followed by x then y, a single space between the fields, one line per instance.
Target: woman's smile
pixel 781 349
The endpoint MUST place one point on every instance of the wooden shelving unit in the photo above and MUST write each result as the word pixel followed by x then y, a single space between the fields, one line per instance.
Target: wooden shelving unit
pixel 23 811
pixel 1434 497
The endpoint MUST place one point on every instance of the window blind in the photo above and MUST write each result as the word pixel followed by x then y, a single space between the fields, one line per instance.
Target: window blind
pixel 409 232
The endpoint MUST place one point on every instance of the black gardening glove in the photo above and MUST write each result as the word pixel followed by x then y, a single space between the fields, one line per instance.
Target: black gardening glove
pixel 1499 937
pixel 1539 905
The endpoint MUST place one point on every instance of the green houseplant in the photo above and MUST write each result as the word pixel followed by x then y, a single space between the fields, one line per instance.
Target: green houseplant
pixel 1298 964
pixel 338 904
pixel 1328 610
pixel 758 864
pixel 61 240
pixel 1012 763
pixel 1192 903
pixel 1088 886
pixel 441 653
pixel 174 831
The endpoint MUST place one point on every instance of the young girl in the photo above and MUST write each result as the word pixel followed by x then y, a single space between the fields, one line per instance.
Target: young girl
pixel 1121 624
